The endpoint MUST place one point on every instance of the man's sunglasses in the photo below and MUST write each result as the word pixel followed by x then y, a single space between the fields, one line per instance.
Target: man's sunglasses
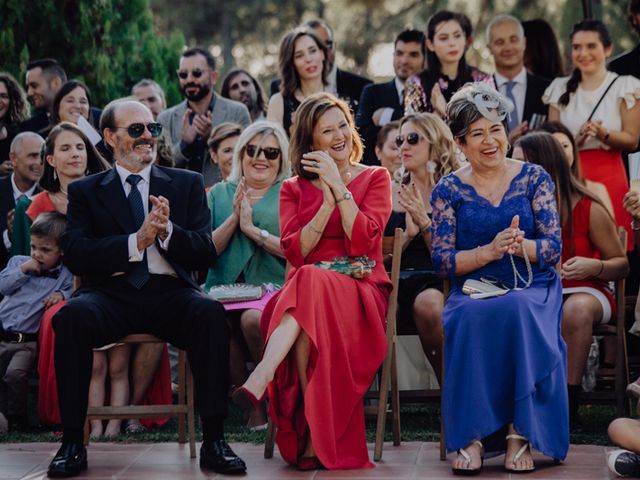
pixel 412 139
pixel 270 153
pixel 136 130
pixel 195 73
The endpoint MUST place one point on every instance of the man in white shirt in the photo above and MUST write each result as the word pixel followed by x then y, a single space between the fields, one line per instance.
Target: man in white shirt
pixel 381 103
pixel 24 154
pixel 506 41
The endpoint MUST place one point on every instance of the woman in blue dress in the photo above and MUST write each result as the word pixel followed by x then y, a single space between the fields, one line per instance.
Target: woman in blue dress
pixel 495 220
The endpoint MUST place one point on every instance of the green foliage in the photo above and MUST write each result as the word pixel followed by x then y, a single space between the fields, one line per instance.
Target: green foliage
pixel 108 44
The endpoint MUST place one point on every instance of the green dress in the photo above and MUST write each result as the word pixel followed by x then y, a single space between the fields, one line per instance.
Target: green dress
pixel 242 257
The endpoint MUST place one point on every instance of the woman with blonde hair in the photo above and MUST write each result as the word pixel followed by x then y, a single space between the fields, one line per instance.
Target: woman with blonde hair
pixel 246 233
pixel 428 153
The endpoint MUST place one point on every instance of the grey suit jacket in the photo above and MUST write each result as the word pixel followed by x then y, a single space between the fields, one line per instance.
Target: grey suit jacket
pixel 224 110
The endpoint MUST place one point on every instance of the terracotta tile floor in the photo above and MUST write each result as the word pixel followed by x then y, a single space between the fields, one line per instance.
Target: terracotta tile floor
pixel 171 461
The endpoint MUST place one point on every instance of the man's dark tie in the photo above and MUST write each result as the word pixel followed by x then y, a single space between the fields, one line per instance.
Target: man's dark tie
pixel 139 274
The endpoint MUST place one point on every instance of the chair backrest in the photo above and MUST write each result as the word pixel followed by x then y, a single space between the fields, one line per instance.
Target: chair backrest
pixel 393 246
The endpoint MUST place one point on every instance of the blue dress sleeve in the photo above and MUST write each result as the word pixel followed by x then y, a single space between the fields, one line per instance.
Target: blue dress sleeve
pixel 548 236
pixel 443 228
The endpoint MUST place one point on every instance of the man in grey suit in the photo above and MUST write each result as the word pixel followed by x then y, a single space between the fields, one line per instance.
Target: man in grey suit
pixel 189 123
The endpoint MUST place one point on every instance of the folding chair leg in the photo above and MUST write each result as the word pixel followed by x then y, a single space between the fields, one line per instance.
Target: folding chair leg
pixel 181 395
pixel 443 443
pixel 395 400
pixel 269 440
pixel 191 421
pixel 382 403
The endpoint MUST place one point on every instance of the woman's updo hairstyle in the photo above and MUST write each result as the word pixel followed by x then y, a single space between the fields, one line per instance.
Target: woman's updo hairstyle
pixel 473 102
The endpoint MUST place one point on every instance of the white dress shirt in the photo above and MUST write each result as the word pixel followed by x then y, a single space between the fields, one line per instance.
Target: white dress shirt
pixel 158 265
pixel 519 89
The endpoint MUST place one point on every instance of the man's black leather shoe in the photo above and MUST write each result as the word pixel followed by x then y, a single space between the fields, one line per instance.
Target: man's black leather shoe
pixel 219 457
pixel 70 460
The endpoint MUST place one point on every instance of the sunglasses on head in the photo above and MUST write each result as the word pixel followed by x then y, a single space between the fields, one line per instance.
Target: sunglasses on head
pixel 136 130
pixel 270 153
pixel 412 139
pixel 195 73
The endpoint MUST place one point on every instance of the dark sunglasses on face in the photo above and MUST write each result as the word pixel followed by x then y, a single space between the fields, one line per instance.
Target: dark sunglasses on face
pixel 136 130
pixel 412 139
pixel 195 73
pixel 270 153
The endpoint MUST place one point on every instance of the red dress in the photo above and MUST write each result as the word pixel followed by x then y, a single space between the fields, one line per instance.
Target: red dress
pixel 606 167
pixel 343 317
pixel 159 392
pixel 583 247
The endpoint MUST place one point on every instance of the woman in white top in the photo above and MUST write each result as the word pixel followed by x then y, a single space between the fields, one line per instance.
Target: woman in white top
pixel 600 109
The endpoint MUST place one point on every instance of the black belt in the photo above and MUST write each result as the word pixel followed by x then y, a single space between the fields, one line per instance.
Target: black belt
pixel 17 337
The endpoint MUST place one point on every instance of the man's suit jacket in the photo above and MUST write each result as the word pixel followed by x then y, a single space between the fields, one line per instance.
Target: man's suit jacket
pixel 627 64
pixel 224 110
pixel 533 96
pixel 348 85
pixel 99 222
pixel 7 203
pixel 375 96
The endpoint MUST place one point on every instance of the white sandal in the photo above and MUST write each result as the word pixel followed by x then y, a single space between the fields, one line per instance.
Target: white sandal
pixel 519 453
pixel 467 457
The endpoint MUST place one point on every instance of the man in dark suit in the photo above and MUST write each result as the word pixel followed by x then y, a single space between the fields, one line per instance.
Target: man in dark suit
pixel 135 233
pixel 506 41
pixel 381 103
pixel 346 85
pixel 26 161
pixel 629 62
pixel 45 77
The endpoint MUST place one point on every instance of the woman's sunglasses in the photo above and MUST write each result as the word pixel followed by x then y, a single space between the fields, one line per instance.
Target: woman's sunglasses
pixel 136 130
pixel 270 153
pixel 195 73
pixel 412 139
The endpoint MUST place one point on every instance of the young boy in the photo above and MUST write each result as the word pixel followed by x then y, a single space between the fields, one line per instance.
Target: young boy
pixel 29 285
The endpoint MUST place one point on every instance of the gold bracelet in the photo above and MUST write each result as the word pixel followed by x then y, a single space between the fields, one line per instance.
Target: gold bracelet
pixel 314 229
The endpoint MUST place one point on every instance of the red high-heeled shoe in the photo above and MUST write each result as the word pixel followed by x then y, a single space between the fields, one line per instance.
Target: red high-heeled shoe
pixel 309 463
pixel 245 399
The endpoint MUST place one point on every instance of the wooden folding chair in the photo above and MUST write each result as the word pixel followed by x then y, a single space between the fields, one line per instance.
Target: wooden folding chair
pixel 619 375
pixel 183 409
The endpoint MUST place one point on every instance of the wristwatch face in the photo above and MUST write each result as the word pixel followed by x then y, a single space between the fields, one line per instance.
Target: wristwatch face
pixel 264 234
pixel 347 196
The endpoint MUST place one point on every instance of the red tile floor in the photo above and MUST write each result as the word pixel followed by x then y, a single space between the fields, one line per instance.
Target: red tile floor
pixel 171 461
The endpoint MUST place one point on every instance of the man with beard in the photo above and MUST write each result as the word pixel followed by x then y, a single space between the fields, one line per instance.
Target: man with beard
pixel 189 123
pixel 240 86
pixel 382 103
pixel 136 264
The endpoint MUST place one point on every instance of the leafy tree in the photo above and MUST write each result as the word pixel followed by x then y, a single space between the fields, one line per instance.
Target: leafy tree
pixel 109 44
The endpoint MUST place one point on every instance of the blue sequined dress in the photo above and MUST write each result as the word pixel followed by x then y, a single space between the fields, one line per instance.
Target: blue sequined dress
pixel 504 357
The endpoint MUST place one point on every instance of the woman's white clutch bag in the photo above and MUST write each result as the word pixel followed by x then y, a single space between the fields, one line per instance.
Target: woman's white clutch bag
pixel 478 289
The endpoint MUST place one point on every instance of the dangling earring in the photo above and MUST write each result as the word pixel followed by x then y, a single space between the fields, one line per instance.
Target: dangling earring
pixel 55 175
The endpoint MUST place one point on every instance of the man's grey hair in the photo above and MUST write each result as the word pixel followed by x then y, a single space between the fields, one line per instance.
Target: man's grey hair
pixel 16 143
pixel 499 19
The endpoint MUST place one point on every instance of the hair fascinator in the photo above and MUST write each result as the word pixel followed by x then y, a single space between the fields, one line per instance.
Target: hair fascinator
pixel 490 104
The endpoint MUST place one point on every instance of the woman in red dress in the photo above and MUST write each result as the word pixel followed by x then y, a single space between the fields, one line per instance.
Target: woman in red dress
pixel 325 331
pixel 592 256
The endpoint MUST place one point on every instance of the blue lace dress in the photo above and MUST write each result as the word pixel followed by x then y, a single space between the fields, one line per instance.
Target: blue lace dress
pixel 504 357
